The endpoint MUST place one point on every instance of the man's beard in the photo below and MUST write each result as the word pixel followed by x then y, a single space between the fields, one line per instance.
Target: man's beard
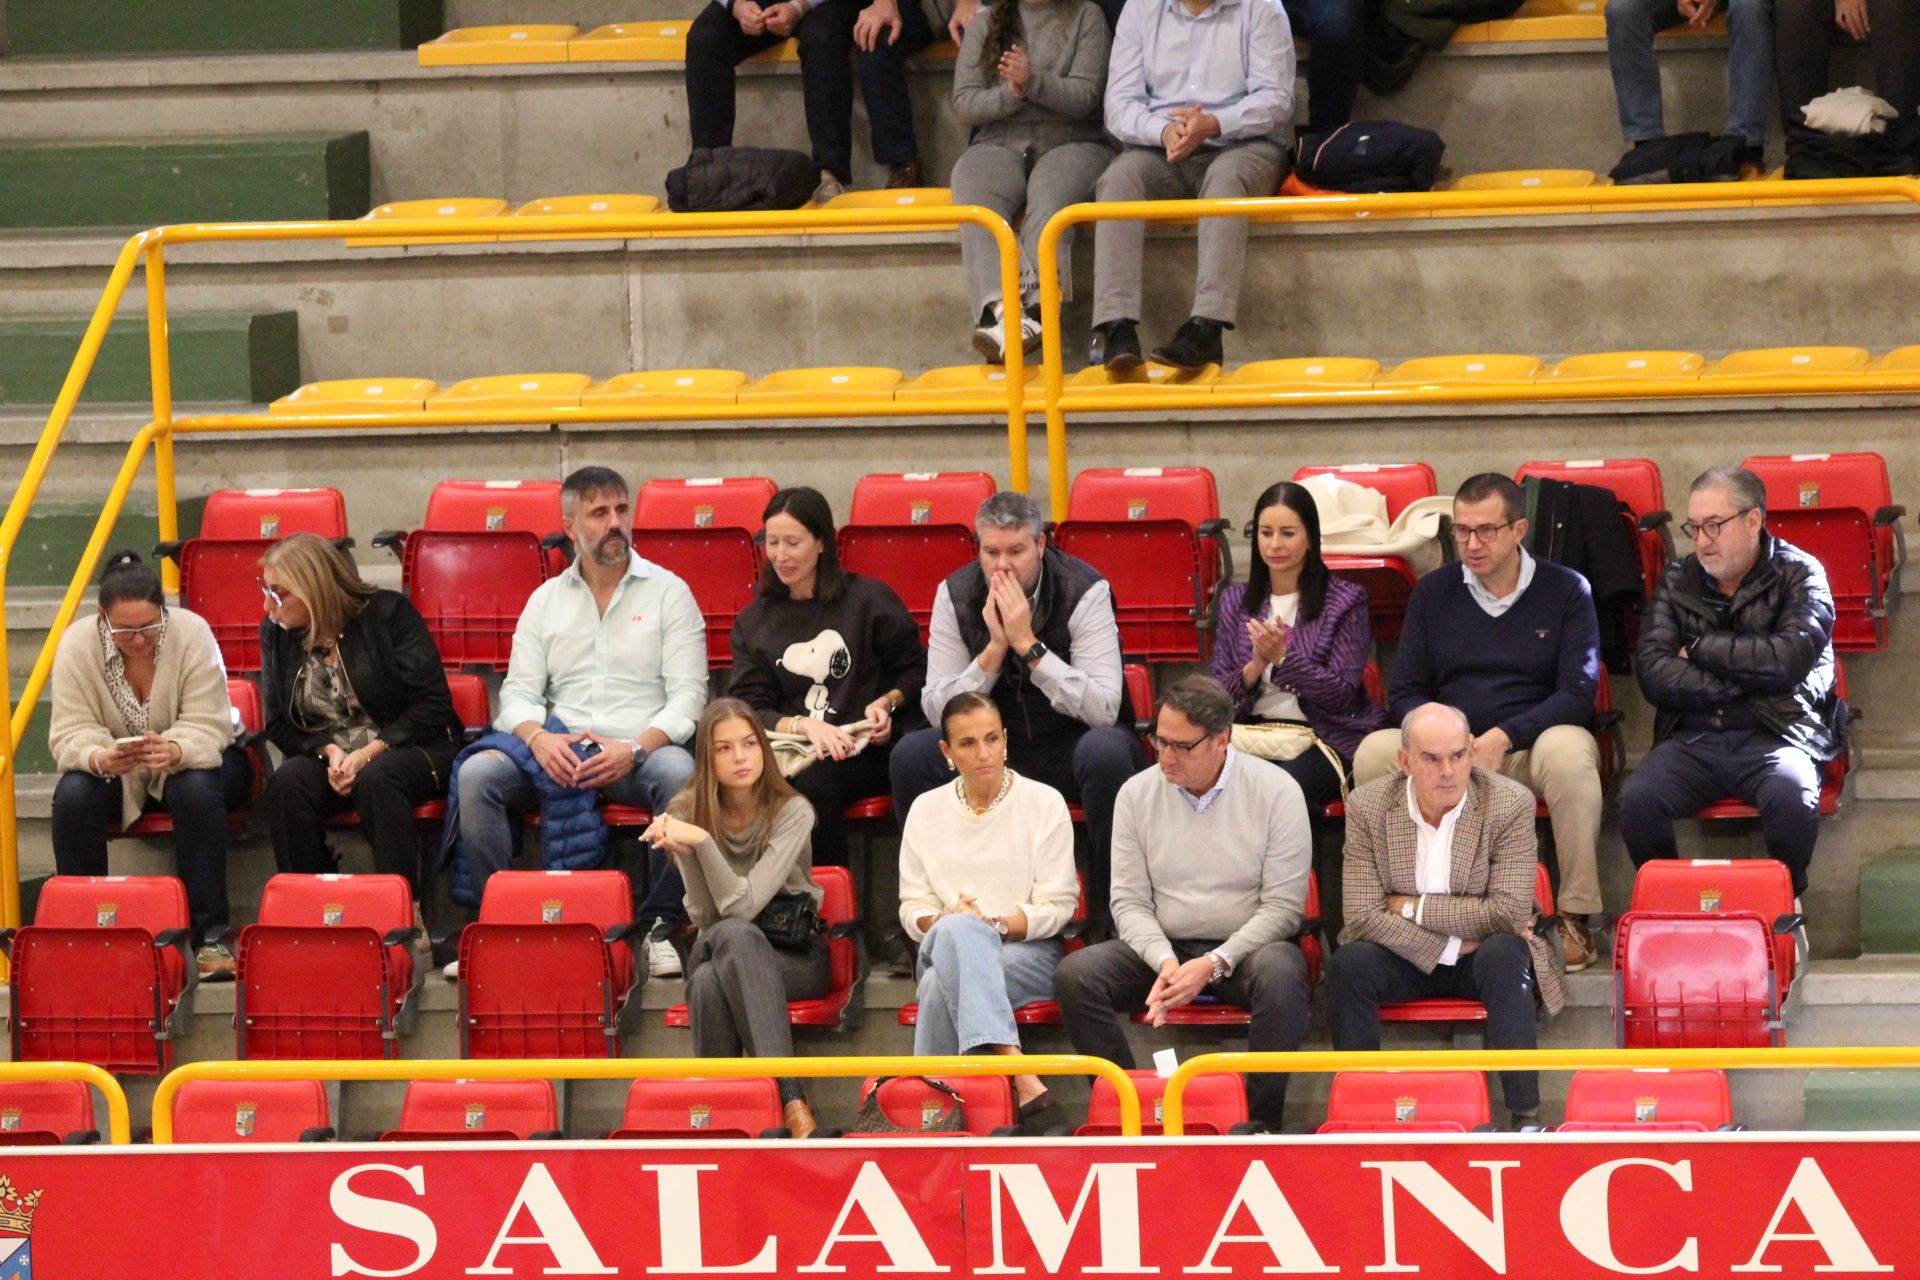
pixel 601 555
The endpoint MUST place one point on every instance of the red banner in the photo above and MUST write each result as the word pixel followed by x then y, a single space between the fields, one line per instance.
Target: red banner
pixel 1567 1207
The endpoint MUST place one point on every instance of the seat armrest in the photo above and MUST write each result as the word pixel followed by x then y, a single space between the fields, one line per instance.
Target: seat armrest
pixel 318 1133
pixel 1887 515
pixel 1731 1127
pixel 845 929
pixel 545 1135
pixel 1655 520
pixel 1245 1127
pixel 81 1138
pixel 6 942
pixel 400 937
pixel 1788 922
pixel 341 544
pixel 824 1132
pixel 168 550
pixel 394 540
pixel 1485 1128
pixel 626 933
pixel 775 1131
pixel 555 542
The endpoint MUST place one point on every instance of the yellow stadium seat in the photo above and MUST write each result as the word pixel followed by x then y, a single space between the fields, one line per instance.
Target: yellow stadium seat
pixel 632 42
pixel 1524 179
pixel 1899 360
pixel 1460 371
pixel 888 198
pixel 357 395
pixel 688 386
pixel 1551 20
pixel 531 391
pixel 940 51
pixel 1150 380
pixel 985 384
pixel 452 207
pixel 564 206
pixel 518 42
pixel 1604 366
pixel 1789 362
pixel 785 51
pixel 832 383
pixel 1312 374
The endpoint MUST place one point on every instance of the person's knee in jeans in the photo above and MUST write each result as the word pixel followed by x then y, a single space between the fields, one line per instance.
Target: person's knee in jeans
pixel 665 774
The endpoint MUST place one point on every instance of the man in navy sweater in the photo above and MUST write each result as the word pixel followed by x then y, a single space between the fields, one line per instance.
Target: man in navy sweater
pixel 1514 643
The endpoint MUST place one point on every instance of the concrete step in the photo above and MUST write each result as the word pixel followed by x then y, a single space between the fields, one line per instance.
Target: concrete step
pixel 55 535
pixel 246 357
pixel 1890 903
pixel 1861 1100
pixel 81 179
pixel 86 27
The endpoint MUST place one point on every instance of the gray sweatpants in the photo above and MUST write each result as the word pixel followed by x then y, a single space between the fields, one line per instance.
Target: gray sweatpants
pixel 996 177
pixel 1142 173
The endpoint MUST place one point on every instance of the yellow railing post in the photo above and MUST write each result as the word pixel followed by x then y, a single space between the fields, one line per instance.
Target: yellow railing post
pixel 1057 1064
pixel 160 363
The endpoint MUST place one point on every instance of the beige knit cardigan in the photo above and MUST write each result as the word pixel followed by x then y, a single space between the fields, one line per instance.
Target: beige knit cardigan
pixel 188 704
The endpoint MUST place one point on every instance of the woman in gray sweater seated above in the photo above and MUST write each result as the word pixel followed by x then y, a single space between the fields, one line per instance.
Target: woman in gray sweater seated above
pixel 742 840
pixel 1029 80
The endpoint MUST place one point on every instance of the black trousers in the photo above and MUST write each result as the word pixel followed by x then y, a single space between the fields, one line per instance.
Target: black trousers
pixel 1803 33
pixel 830 786
pixel 298 801
pixel 1362 976
pixel 1688 771
pixel 198 801
pixel 716 45
pixel 1094 984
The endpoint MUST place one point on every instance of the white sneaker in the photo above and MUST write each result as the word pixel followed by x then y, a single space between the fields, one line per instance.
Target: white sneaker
pixel 990 340
pixel 662 960
pixel 829 187
pixel 1029 333
pixel 452 972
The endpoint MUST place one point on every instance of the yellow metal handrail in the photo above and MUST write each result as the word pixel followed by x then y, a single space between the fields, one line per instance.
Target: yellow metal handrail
pixel 119 1118
pixel 1058 401
pixel 1058 1064
pixel 1173 1103
pixel 148 249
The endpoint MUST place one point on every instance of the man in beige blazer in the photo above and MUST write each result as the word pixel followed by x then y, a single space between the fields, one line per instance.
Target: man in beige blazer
pixel 1439 876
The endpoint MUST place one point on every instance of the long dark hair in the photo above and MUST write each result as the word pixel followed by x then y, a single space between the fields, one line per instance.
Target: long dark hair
pixel 1003 32
pixel 127 577
pixel 1313 570
pixel 809 507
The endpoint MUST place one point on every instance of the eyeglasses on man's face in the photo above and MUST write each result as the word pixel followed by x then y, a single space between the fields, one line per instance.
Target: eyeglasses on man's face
pixel 1174 745
pixel 1694 528
pixel 1481 533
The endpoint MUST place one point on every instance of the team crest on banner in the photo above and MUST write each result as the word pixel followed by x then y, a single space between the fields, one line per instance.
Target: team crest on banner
pixel 106 915
pixel 16 1229
pixel 245 1114
pixel 1406 1110
pixel 550 911
pixel 476 1115
pixel 1646 1110
pixel 1709 899
pixel 699 1116
pixel 333 913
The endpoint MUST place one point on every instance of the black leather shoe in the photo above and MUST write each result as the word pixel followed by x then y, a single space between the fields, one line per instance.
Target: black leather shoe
pixel 1116 344
pixel 1195 345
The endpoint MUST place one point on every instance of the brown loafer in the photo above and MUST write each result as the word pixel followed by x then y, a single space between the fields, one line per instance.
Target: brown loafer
pixel 799 1117
pixel 1577 944
pixel 904 175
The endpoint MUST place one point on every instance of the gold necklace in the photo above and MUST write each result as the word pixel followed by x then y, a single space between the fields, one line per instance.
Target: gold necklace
pixel 960 790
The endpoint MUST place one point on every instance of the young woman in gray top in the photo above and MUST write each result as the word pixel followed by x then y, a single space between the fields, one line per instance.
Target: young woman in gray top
pixel 742 837
pixel 1029 79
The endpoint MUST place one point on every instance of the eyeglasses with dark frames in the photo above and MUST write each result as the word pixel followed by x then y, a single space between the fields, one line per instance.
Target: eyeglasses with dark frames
pixel 1694 528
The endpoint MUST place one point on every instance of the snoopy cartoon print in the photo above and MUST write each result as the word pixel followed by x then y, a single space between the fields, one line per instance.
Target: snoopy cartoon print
pixel 825 657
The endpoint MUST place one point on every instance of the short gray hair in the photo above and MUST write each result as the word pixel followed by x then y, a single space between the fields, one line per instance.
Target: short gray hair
pixel 1406 722
pixel 1201 699
pixel 1011 509
pixel 589 482
pixel 1746 488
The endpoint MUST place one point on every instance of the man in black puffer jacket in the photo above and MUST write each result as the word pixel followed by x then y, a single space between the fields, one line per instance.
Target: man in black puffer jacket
pixel 1736 655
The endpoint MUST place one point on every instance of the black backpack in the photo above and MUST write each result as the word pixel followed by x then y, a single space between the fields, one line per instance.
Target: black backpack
pixel 1682 157
pixel 1370 155
pixel 730 179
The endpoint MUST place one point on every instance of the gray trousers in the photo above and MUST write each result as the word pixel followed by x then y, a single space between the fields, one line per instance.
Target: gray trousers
pixel 738 985
pixel 1142 173
pixel 997 177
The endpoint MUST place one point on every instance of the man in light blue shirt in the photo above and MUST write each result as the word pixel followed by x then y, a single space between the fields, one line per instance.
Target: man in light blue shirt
pixel 1201 94
pixel 614 649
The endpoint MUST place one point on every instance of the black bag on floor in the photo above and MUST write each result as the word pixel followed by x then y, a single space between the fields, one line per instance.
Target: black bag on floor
pixel 1370 155
pixel 1681 157
pixel 732 179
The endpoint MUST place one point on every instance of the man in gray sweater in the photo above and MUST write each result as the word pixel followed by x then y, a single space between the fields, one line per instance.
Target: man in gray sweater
pixel 1211 854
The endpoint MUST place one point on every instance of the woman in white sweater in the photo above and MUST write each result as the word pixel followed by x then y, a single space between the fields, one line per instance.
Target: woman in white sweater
pixel 986 886
pixel 141 721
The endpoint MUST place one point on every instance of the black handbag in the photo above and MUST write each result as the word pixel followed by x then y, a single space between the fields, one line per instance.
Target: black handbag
pixel 871 1119
pixel 791 921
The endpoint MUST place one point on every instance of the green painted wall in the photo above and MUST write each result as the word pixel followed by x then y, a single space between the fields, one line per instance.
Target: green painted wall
pixel 253 358
pixel 183 26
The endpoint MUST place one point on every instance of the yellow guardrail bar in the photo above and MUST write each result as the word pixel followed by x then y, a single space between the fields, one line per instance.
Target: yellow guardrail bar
pixel 1058 402
pixel 147 250
pixel 1172 1107
pixel 119 1121
pixel 1057 1064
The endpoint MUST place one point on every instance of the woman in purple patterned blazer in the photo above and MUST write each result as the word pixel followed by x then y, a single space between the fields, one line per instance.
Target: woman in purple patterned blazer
pixel 1292 644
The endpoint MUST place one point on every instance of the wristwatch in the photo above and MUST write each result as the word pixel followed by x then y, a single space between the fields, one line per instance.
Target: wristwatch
pixel 639 755
pixel 1000 927
pixel 1407 909
pixel 1036 653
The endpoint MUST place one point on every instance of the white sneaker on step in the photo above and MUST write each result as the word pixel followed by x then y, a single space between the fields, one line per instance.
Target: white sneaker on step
pixel 662 960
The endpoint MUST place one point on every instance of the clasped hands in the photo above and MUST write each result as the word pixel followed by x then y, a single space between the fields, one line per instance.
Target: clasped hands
pixel 558 760
pixel 1191 126
pixel 775 19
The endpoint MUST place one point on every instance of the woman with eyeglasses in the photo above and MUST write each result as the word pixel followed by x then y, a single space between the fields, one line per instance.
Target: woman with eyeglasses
pixel 141 723
pixel 1292 649
pixel 357 702
pixel 986 887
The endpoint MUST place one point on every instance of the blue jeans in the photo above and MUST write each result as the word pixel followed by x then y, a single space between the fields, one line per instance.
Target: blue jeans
pixel 971 981
pixel 492 786
pixel 1636 69
pixel 883 83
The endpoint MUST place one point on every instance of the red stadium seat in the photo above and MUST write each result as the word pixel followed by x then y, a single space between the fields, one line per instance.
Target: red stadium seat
pixel 250 1111
pixel 100 974
pixel 470 588
pixel 1213 1104
pixel 1759 885
pixel 603 899
pixel 1211 1011
pixel 494 506
pixel 42 1113
pixel 1833 773
pixel 435 1110
pixel 1839 509
pixel 1389 580
pixel 536 991
pixel 1647 1099
pixel 1449 1008
pixel 1039 1013
pixel 842 1008
pixel 1407 1102
pixel 730 503
pixel 912 1103
pixel 1695 982
pixel 1635 482
pixel 267 515
pixel 920 499
pixel 328 971
pixel 244 696
pixel 913 560
pixel 721 566
pixel 702 1109
pixel 1147 529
